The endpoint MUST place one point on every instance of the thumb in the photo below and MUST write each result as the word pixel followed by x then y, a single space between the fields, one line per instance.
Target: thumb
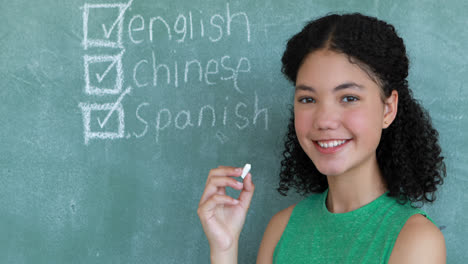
pixel 246 195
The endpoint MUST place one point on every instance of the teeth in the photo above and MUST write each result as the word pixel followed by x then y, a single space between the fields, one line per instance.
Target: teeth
pixel 331 144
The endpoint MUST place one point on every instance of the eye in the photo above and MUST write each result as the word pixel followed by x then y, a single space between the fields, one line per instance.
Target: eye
pixel 306 100
pixel 350 98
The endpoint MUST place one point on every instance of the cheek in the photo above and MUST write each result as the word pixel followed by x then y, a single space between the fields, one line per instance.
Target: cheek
pixel 365 124
pixel 302 123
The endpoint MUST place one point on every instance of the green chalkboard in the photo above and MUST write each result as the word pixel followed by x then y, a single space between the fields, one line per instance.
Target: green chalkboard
pixel 113 113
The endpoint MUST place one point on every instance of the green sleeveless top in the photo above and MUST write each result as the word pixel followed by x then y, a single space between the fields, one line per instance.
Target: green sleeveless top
pixel 365 235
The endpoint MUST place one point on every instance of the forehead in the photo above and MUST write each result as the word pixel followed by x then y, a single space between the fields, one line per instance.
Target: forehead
pixel 329 69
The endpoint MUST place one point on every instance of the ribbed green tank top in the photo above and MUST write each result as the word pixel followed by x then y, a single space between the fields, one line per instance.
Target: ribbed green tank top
pixel 365 235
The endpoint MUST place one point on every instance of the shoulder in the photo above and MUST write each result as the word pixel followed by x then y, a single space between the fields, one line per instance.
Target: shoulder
pixel 419 241
pixel 273 234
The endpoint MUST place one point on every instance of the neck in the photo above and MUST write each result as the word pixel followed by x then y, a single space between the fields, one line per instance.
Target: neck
pixel 354 189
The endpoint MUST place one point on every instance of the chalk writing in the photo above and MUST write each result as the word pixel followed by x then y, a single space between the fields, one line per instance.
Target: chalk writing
pixel 104 73
pixel 87 110
pixel 94 86
pixel 105 40
pixel 116 104
pixel 242 115
pixel 210 72
pixel 188 26
pixel 221 137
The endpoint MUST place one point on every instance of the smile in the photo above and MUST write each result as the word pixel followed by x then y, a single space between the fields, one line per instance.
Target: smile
pixel 331 143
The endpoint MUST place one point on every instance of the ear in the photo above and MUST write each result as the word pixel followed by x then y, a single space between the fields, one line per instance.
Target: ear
pixel 391 107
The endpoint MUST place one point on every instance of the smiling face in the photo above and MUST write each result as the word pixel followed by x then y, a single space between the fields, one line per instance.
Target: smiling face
pixel 339 113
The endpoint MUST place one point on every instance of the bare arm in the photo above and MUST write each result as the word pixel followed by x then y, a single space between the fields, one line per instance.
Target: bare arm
pixel 272 235
pixel 222 216
pixel 419 241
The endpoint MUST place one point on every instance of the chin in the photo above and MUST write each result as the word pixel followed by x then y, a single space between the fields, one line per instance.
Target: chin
pixel 330 170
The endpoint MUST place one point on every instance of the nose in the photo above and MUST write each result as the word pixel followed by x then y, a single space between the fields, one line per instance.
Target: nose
pixel 327 117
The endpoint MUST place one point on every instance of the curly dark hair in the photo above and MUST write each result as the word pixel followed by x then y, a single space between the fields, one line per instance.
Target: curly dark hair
pixel 408 154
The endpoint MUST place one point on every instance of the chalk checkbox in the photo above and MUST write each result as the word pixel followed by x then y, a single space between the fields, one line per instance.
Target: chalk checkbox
pixel 114 110
pixel 107 33
pixel 105 79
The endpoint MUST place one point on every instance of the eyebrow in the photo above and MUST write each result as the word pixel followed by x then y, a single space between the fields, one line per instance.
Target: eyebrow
pixel 342 86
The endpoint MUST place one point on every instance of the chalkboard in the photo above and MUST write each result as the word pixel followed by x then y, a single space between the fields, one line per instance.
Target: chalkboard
pixel 113 113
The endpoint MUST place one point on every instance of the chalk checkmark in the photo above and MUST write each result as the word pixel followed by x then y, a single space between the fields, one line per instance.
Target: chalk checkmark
pixel 114 107
pixel 103 75
pixel 107 33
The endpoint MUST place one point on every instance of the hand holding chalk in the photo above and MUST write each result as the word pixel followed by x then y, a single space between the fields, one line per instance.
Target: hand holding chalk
pixel 246 170
pixel 222 216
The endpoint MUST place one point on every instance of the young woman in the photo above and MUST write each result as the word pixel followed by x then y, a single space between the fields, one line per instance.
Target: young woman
pixel 357 142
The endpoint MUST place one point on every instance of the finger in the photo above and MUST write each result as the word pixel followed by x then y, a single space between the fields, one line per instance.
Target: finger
pixel 246 195
pixel 225 171
pixel 216 185
pixel 206 208
pixel 248 184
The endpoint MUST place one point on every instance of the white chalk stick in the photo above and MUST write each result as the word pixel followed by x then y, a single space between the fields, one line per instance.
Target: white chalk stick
pixel 246 170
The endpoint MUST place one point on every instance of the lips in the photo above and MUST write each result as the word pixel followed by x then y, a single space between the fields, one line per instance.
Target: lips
pixel 331 145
